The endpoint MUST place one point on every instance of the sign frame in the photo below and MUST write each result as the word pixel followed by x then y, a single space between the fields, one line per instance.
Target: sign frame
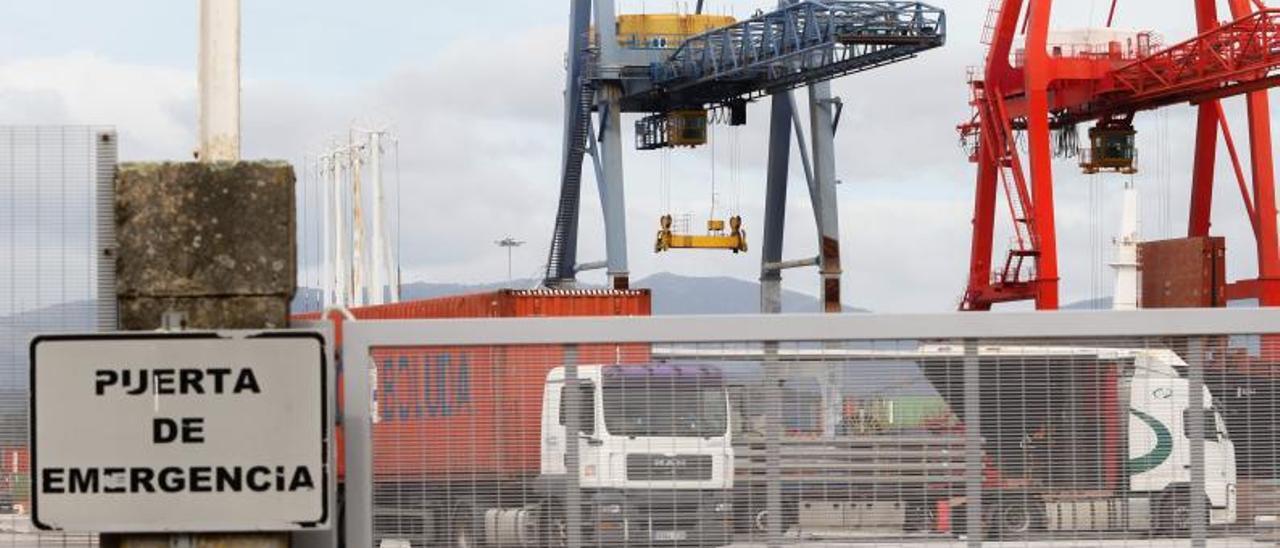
pixel 325 484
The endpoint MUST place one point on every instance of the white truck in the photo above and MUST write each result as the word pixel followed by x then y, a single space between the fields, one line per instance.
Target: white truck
pixel 656 463
pixel 1089 439
pixel 1075 439
pixel 474 449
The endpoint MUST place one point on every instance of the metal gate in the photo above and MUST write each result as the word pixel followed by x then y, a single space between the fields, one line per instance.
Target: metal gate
pixel 1148 428
pixel 56 274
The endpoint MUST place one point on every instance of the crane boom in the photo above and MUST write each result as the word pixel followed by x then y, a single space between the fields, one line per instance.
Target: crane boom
pixel 798 45
pixel 1215 63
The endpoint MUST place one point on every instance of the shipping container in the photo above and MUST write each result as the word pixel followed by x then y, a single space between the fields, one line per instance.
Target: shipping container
pixel 506 303
pixel 509 303
pixel 458 412
pixel 470 443
pixel 15 482
pixel 1184 273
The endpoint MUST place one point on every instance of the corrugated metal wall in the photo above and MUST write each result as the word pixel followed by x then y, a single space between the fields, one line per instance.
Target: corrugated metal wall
pixel 56 275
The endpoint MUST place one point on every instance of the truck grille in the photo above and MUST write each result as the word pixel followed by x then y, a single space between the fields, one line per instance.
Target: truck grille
pixel 669 468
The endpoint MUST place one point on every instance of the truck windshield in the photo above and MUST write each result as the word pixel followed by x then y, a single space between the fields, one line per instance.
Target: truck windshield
pixel 1213 428
pixel 664 409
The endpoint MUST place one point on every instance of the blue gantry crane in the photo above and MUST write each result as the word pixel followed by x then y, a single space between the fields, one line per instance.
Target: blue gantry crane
pixel 673 68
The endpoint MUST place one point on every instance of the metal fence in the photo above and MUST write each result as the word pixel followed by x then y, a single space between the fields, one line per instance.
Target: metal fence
pixel 55 275
pixel 1075 429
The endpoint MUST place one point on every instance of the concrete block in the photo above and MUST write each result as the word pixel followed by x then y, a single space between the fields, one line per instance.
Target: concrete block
pixel 253 312
pixel 188 229
pixel 216 241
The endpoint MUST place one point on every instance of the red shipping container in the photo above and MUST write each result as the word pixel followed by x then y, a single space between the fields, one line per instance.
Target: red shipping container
pixel 1184 273
pixel 476 410
pixel 17 461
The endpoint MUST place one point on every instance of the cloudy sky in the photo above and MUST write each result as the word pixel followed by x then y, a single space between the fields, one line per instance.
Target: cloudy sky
pixel 473 92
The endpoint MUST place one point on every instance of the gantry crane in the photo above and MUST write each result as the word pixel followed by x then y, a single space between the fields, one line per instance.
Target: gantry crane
pixel 1042 89
pixel 674 80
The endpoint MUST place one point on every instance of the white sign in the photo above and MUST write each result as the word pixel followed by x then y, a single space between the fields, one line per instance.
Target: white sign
pixel 180 432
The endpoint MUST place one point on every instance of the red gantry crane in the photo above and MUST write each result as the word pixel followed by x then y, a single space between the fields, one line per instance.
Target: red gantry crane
pixel 1043 89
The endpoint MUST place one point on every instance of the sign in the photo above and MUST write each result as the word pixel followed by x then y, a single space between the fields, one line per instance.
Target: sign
pixel 180 432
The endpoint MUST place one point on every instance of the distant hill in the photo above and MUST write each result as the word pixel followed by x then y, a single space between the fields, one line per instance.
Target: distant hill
pixel 17 330
pixel 673 294
pixel 1101 303
pixel 681 295
pixel 1104 303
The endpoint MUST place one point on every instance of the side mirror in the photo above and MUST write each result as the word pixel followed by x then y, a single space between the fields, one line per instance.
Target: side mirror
pixel 591 440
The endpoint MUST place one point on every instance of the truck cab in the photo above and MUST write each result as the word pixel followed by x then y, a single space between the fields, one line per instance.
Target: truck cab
pixel 1160 437
pixel 655 462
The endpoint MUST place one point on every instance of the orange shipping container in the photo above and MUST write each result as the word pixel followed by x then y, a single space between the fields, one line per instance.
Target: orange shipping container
pixel 476 410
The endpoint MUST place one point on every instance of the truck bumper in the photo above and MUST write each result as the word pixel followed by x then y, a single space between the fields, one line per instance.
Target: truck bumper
pixel 660 518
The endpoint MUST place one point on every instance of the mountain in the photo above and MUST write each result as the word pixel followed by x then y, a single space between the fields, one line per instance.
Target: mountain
pixel 1104 303
pixel 1100 303
pixel 673 294
pixel 681 295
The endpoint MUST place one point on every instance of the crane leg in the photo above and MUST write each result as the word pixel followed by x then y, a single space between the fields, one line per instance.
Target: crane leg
pixel 984 219
pixel 1202 174
pixel 775 208
pixel 612 199
pixel 1206 141
pixel 1264 188
pixel 822 191
pixel 1264 199
pixel 563 253
pixel 1039 145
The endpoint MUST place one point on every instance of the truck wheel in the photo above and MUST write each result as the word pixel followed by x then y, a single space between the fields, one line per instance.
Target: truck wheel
pixel 555 527
pixel 1014 519
pixel 760 522
pixel 462 529
pixel 922 517
pixel 1173 511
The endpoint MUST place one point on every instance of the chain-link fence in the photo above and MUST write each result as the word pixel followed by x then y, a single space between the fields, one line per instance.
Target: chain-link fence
pixel 1142 429
pixel 55 276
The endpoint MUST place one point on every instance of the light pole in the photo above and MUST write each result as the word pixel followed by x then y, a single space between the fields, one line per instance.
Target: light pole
pixel 509 243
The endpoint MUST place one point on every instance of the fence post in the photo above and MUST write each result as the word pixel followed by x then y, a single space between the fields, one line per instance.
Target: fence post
pixel 973 443
pixel 105 154
pixel 357 424
pixel 572 460
pixel 772 442
pixel 1196 431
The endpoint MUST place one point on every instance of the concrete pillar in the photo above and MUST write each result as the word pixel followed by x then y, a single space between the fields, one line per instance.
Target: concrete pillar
pixel 219 81
pixel 215 242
